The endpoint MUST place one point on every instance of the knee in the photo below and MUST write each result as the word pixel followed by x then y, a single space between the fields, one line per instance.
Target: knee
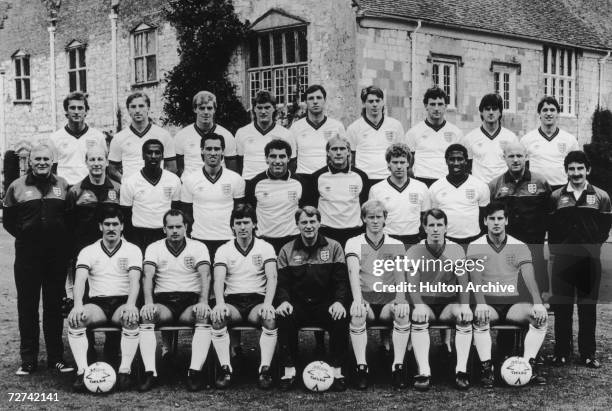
pixel 358 321
pixel 269 324
pixel 217 325
pixel 402 320
pixel 129 325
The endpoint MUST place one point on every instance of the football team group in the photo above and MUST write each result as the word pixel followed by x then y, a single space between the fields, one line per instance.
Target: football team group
pixel 280 228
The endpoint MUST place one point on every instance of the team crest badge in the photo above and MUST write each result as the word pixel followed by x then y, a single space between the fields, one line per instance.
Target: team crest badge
pixel 448 136
pixel 389 136
pixel 123 264
pixel 257 260
pixel 353 189
pixel 532 188
pixel 57 191
pixel 324 255
pixel 510 259
pixel 562 147
pixel 226 189
pixel 189 262
pixel 590 199
pixel 470 193
pixel 168 192
pixel 292 195
pixel 413 198
pixel 112 195
pixel 505 190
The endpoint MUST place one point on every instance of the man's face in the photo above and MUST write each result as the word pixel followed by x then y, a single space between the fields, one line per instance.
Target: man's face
pixel 515 159
pixel 205 113
pixel 212 153
pixel 278 162
pixel 457 163
pixel 490 114
pixel 435 108
pixel 153 155
pixel 374 220
pixel 243 228
pixel 315 102
pixel 96 162
pixel 577 173
pixel 308 226
pixel 175 228
pixel 398 166
pixel 338 154
pixel 373 105
pixel 496 223
pixel 111 229
pixel 435 229
pixel 549 115
pixel 264 113
pixel 41 161
pixel 76 112
pixel 138 109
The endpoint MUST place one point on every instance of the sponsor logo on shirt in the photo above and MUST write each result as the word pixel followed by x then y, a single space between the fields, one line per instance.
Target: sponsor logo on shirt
pixel 226 189
pixel 29 193
pixel 257 260
pixel 413 198
pixel 562 147
pixel 189 262
pixel 532 188
pixel 324 255
pixel 57 191
pixel 123 264
pixel 112 195
pixel 470 193
pixel 590 199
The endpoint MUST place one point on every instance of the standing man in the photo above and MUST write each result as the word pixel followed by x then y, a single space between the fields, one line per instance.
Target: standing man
pixel 340 190
pixel 527 198
pixel 405 198
pixel 311 133
pixel 486 143
pixel 372 133
pixel 187 141
pixel 147 195
pixel 461 196
pixel 430 138
pixel 275 194
pixel 125 148
pixel 34 213
pixel 313 288
pixel 71 142
pixel 209 195
pixel 579 224
pixel 252 138
pixel 548 145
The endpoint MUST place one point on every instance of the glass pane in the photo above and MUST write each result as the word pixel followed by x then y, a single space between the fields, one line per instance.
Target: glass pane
pixel 435 74
pixel 545 59
pixel 554 87
pixel 265 50
pixel 26 83
pixel 72 59
pixel 267 80
pixel 138 44
pixel 26 66
pixel 302 45
pixel 150 38
pixel 292 83
pixel 277 42
pixel 279 85
pixel 72 83
pixel 290 46
pixel 83 80
pixel 255 84
pixel 506 96
pixel 253 52
pixel 18 95
pixel 496 82
pixel 561 95
pixel 303 79
pixel 18 67
pixel 447 82
pixel 570 62
pixel 139 62
pixel 553 61
pixel 151 68
pixel 562 62
pixel 570 103
pixel 81 57
pixel 546 86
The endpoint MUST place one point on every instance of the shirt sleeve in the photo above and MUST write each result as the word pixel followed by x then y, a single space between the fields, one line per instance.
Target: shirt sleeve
pixel 114 152
pixel 269 255
pixel 169 152
pixel 150 256
pixel 179 142
pixel 523 255
pixel 221 257
pixel 353 248
pixel 239 187
pixel 230 145
pixel 84 260
pixel 126 196
pixel 426 203
pixel 202 254
pixel 135 259
pixel 239 140
pixel 176 196
pixel 186 196
pixel 484 197
pixel 411 139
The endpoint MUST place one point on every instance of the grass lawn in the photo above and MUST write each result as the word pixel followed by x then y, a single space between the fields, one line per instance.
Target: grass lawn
pixel 571 387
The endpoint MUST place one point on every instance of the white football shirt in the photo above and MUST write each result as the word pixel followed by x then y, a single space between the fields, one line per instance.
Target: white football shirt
pixel 429 144
pixel 310 140
pixel 177 272
pixel 108 270
pixel 149 201
pixel 187 144
pixel 546 154
pixel 487 152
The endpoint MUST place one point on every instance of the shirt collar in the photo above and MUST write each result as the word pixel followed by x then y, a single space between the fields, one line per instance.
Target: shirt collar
pixel 88 185
pixel 299 243
pixel 31 179
pixel 509 178
pixel 283 177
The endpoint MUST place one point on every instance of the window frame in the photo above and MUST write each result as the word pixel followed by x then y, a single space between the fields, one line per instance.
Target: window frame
pixel 454 63
pixel 556 80
pixel 22 78
pixel 79 71
pixel 141 30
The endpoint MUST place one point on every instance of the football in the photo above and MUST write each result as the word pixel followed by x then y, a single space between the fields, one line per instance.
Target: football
pixel 516 371
pixel 318 376
pixel 100 377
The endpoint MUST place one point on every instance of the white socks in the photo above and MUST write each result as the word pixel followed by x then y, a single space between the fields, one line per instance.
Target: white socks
pixel 420 345
pixel 533 341
pixel 221 342
pixel 129 345
pixel 482 341
pixel 77 339
pixel 148 346
pixel 359 339
pixel 267 345
pixel 400 337
pixel 463 343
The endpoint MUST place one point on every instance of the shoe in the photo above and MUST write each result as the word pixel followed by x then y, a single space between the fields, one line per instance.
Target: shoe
pixel 487 378
pixel 61 367
pixel 361 377
pixel 286 384
pixel 462 381
pixel 194 380
pixel 398 377
pixel 559 360
pixel 591 362
pixel 149 380
pixel 124 381
pixel 26 368
pixel 79 383
pixel 339 384
pixel 422 382
pixel 536 377
pixel 265 381
pixel 225 378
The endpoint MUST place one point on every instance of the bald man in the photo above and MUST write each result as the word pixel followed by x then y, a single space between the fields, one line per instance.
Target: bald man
pixel 34 213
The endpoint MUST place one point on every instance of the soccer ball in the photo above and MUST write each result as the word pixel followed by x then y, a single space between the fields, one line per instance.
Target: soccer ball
pixel 100 377
pixel 516 371
pixel 318 376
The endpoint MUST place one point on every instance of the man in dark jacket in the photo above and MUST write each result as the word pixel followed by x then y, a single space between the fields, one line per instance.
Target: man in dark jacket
pixel 313 289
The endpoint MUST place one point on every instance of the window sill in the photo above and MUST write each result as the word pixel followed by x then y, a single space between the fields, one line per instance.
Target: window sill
pixel 145 84
pixel 22 102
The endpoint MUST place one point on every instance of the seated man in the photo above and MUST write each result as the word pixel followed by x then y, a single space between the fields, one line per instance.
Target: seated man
pixel 313 289
pixel 430 271
pixel 370 301
pixel 112 268
pixel 175 287
pixel 245 283
pixel 503 257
